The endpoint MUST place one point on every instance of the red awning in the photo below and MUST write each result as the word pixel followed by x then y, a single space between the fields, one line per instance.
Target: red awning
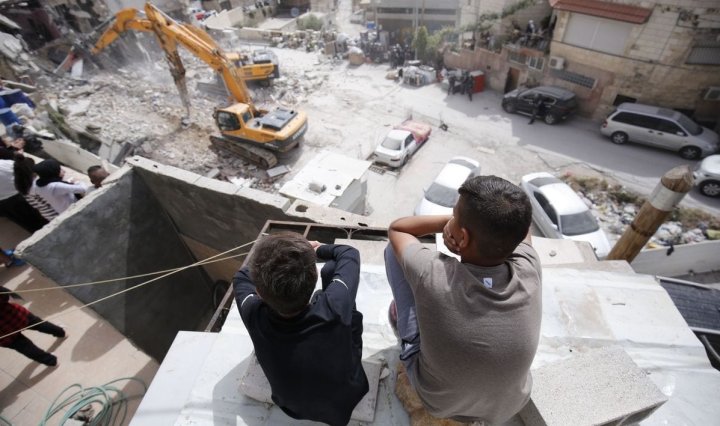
pixel 604 9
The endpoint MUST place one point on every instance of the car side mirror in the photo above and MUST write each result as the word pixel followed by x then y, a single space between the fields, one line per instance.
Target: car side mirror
pixel 681 134
pixel 555 227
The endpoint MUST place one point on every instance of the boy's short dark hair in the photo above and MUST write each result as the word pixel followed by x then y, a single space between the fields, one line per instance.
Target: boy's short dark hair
pixel 496 212
pixel 283 269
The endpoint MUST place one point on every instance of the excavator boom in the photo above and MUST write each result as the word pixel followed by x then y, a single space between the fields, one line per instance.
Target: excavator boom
pixel 244 127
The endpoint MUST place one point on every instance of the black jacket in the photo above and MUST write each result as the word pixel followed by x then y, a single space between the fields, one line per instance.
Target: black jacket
pixel 313 360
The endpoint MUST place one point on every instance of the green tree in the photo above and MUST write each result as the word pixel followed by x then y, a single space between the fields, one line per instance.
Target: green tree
pixel 420 43
pixel 311 22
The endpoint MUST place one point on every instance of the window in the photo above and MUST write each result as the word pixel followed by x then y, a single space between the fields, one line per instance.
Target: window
pixel 575 78
pixel 603 35
pixel 535 62
pixel 227 121
pixel 669 127
pixel 704 53
pixel 578 223
pixel 545 204
pixel 621 99
pixel 517 57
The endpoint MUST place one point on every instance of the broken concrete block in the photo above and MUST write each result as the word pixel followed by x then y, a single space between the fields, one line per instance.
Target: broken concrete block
pixel 412 404
pixel 600 387
pixel 79 107
pixel 255 385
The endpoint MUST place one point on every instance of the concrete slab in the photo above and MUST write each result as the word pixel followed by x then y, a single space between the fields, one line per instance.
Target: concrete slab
pixel 255 385
pixel 600 387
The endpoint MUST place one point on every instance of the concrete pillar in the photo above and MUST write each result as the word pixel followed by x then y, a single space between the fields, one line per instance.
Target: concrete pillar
pixel 667 194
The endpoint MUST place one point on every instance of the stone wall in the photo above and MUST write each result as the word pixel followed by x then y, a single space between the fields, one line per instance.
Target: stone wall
pixel 652 69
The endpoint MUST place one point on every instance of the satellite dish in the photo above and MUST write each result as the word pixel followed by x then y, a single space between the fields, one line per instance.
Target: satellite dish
pixel 294 12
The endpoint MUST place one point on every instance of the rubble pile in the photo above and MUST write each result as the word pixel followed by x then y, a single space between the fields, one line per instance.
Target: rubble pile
pixel 616 208
pixel 142 107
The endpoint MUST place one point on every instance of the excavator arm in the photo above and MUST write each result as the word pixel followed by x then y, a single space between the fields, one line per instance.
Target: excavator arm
pixel 124 20
pixel 170 34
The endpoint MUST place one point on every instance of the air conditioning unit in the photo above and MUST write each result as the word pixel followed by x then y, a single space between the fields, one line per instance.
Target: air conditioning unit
pixel 557 63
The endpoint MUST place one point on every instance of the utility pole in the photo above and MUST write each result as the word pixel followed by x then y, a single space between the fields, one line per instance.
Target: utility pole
pixel 667 194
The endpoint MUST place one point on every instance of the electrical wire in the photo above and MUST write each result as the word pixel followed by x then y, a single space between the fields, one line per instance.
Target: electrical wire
pixel 198 263
pixel 112 280
pixel 112 402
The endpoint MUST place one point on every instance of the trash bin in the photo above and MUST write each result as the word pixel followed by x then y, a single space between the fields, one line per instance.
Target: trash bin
pixel 478 81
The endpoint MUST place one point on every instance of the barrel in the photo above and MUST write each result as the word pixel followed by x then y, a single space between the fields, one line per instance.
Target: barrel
pixel 8 117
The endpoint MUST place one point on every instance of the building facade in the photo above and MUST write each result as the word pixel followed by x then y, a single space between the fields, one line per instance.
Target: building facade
pixel 665 53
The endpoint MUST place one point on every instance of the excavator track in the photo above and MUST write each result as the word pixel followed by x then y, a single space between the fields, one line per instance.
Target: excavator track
pixel 256 155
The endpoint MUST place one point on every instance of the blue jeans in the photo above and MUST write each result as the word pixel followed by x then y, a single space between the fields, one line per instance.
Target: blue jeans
pixel 407 325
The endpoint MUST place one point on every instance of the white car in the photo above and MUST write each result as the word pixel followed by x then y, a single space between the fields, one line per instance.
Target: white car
pixel 558 212
pixel 707 176
pixel 441 196
pixel 401 143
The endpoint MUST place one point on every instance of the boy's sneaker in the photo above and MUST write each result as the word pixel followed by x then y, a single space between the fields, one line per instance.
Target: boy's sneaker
pixel 392 318
pixel 14 261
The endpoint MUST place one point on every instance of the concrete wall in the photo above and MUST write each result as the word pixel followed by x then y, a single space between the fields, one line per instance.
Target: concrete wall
pixel 214 213
pixel 118 231
pixel 704 257
pixel 150 217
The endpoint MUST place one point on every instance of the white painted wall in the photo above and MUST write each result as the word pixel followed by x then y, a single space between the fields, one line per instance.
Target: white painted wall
pixel 699 258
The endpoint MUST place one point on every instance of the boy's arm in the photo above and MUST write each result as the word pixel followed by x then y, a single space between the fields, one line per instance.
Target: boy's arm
pixel 347 265
pixel 245 293
pixel 404 231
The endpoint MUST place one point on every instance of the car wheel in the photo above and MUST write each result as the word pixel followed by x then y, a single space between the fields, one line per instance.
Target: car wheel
pixel 690 152
pixel 509 107
pixel 550 119
pixel 711 188
pixel 619 138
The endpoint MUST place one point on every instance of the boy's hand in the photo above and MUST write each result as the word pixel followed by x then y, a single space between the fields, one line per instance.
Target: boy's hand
pixel 315 244
pixel 448 238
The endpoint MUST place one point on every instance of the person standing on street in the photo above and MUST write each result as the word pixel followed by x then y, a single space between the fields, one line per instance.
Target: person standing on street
pixel 537 110
pixel 469 85
pixel 14 317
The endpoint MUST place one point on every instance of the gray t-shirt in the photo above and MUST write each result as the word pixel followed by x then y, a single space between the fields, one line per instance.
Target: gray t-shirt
pixel 479 331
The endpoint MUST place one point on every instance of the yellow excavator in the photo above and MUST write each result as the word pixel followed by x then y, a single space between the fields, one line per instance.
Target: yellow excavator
pixel 245 130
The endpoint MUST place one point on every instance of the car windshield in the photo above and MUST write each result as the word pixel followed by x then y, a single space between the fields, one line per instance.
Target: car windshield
pixel 689 125
pixel 391 143
pixel 442 195
pixel 578 223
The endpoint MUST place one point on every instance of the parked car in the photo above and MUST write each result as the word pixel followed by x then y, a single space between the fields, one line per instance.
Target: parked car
pixel 659 127
pixel 558 212
pixel 707 176
pixel 559 104
pixel 401 143
pixel 442 194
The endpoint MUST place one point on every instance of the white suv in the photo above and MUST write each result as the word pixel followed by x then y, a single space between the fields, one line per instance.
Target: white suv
pixel 707 176
pixel 660 127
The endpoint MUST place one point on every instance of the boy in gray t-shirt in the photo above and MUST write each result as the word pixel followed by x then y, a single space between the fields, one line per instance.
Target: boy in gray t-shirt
pixel 479 318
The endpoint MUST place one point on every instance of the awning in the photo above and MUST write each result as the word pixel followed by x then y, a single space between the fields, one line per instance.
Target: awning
pixel 604 9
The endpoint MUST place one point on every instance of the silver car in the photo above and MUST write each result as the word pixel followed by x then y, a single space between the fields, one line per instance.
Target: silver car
pixel 707 176
pixel 558 212
pixel 441 196
pixel 660 127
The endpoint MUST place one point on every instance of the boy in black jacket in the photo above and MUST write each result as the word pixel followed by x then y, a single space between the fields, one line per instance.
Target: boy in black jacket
pixel 309 349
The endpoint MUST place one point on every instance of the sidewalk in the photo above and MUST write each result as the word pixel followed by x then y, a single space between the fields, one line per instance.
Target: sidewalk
pixel 93 354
